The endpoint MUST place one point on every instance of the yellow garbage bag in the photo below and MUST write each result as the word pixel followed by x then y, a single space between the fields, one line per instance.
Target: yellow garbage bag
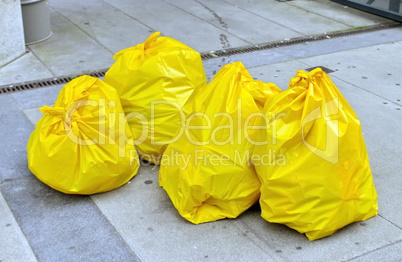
pixel 83 144
pixel 154 80
pixel 207 172
pixel 314 167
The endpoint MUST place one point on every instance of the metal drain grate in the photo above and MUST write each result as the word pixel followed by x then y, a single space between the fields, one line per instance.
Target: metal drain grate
pixel 47 82
pixel 205 56
pixel 297 40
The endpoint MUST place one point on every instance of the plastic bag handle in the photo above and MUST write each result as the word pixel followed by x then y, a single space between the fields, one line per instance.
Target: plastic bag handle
pixel 151 39
pixel 143 46
pixel 52 111
pixel 65 116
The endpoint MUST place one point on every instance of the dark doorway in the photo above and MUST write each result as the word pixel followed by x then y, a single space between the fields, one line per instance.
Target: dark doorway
pixel 388 8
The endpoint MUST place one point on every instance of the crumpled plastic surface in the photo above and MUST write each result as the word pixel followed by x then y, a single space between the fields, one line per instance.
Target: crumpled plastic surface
pixel 316 175
pixel 206 172
pixel 154 80
pixel 82 144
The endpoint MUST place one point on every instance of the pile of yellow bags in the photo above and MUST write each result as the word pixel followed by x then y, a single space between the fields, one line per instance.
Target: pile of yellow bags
pixel 85 143
pixel 221 146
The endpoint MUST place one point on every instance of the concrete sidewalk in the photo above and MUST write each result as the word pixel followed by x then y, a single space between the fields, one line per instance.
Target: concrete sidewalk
pixel 137 222
pixel 86 34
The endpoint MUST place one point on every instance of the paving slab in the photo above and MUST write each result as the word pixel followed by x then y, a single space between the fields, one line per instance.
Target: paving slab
pixel 13 244
pixel 62 227
pixel 152 227
pixel 33 114
pixel 37 97
pixel 34 69
pixel 109 26
pixel 351 241
pixel 327 46
pixel 185 28
pixel 277 73
pixel 87 34
pixel 239 22
pixel 381 78
pixel 307 49
pixel 254 59
pixel 390 252
pixel 303 21
pixel 70 50
pixel 14 133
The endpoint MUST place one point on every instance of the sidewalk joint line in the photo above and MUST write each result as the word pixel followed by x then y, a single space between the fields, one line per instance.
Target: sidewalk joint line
pixel 371 93
pixel 390 222
pixel 39 59
pixel 272 21
pixel 374 250
pixel 226 30
pixel 297 40
pixel 320 15
pixel 130 16
pixel 82 30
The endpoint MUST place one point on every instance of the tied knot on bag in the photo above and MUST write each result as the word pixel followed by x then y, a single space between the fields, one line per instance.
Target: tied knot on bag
pixel 306 77
pixel 312 75
pixel 63 119
pixel 308 81
pixel 67 112
pixel 150 40
pixel 67 115
pixel 146 47
pixel 142 50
